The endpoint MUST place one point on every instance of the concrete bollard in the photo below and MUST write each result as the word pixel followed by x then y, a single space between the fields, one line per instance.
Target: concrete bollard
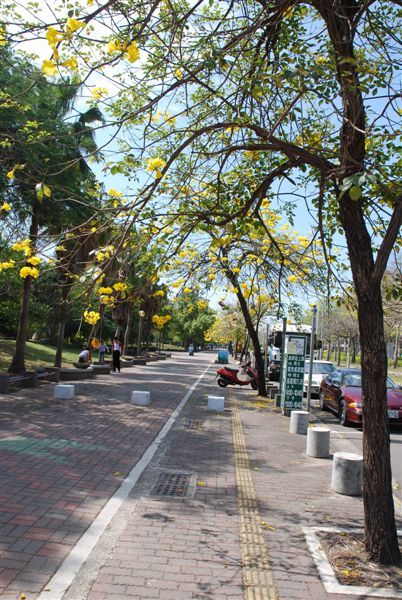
pixel 347 474
pixel 299 422
pixel 64 391
pixel 216 403
pixel 140 398
pixel 318 442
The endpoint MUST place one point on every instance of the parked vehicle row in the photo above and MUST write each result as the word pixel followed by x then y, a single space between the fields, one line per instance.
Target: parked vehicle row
pixel 341 393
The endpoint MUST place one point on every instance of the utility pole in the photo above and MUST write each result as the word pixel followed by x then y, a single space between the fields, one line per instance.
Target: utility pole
pixel 310 370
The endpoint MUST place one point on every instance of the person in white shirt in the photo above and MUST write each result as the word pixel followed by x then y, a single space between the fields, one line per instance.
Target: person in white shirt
pixel 116 353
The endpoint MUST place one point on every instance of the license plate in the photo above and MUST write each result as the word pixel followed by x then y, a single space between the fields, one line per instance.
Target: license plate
pixel 393 414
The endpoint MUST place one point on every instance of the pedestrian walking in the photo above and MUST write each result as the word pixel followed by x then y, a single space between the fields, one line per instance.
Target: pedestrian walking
pixel 116 354
pixel 102 348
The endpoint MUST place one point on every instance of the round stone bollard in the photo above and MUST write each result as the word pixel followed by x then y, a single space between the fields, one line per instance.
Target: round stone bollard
pixel 318 442
pixel 299 422
pixel 140 398
pixel 347 474
pixel 63 391
pixel 216 403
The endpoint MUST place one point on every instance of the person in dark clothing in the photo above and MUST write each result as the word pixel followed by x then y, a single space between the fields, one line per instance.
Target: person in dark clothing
pixel 116 354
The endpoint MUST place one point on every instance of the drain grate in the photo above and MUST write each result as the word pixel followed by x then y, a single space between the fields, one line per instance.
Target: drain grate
pixel 171 484
pixel 193 424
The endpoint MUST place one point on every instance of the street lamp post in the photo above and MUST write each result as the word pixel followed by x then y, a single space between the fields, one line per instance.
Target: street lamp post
pixel 141 315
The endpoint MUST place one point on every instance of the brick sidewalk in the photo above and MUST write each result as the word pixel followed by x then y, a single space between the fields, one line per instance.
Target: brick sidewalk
pixel 62 461
pixel 236 534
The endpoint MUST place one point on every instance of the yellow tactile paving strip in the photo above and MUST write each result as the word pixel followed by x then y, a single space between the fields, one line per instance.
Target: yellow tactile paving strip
pixel 258 579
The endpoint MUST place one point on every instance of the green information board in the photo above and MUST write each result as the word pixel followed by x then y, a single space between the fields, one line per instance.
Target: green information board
pixel 293 371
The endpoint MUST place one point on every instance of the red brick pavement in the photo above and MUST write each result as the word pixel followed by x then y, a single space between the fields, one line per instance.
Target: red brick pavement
pixel 62 461
pixel 156 547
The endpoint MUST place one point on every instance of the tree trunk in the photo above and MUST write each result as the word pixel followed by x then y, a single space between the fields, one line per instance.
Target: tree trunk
pixel 18 361
pixel 348 353
pixel 128 327
pixel 338 351
pixel 329 351
pixel 63 313
pixel 381 539
pixel 396 349
pixel 354 349
pixel 252 332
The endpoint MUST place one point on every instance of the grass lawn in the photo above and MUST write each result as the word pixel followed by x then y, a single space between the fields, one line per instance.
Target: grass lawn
pixel 37 355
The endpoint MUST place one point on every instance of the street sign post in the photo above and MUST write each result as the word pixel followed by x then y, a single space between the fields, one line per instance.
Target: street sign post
pixel 293 371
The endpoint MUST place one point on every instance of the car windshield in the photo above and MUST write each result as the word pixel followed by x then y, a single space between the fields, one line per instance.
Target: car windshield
pixel 352 379
pixel 355 380
pixel 319 368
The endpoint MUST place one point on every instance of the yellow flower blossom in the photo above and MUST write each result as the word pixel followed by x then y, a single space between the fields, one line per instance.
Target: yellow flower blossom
pixel 29 272
pixel 160 293
pixel 54 36
pixel 91 317
pixel 292 279
pixel 9 264
pixel 155 164
pixel 99 92
pixel 187 290
pixel 3 36
pixel 235 270
pixel 211 276
pixel 73 25
pixel 34 260
pixel 133 52
pixel 24 246
pixel 120 286
pixel 71 63
pixel 5 206
pixel 105 290
pixel 49 67
pixel 178 73
pixel 114 193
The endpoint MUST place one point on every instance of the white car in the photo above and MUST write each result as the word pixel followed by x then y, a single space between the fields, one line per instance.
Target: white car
pixel 321 368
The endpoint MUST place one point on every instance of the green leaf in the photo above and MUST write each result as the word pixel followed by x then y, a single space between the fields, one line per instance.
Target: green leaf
pixel 355 193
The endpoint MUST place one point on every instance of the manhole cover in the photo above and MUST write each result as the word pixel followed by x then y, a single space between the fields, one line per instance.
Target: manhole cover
pixel 171 484
pixel 192 424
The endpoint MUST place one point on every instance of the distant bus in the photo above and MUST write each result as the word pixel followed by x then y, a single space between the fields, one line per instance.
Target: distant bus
pixel 274 343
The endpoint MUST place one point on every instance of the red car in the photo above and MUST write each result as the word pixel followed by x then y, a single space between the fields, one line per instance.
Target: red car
pixel 341 392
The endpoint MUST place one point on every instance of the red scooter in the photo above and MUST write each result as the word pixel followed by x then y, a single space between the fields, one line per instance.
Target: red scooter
pixel 228 376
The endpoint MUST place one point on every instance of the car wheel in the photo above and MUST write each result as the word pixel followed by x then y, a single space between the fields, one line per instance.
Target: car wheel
pixel 343 419
pixel 254 384
pixel 322 401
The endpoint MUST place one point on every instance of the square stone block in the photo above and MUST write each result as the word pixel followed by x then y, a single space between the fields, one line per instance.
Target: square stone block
pixel 141 398
pixel 216 403
pixel 64 391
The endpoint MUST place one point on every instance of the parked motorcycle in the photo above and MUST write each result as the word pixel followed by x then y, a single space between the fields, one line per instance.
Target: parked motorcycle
pixel 228 376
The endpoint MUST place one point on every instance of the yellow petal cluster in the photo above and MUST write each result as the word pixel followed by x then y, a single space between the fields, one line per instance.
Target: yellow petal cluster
pixel 105 290
pixel 7 264
pixel 160 320
pixel 29 272
pixel 5 206
pixel 91 317
pixel 34 260
pixel 120 286
pixel 24 246
pixel 49 67
pixel 73 25
pixel 53 36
